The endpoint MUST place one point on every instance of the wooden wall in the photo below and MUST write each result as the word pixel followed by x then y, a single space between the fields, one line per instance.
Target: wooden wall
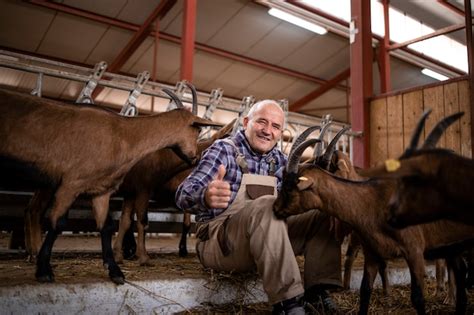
pixel 393 118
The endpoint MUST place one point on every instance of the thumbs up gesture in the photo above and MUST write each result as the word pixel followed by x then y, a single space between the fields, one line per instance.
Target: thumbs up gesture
pixel 218 192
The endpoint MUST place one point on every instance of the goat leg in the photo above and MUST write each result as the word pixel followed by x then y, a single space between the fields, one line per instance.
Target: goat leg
pixel 106 232
pixel 367 284
pixel 416 264
pixel 34 212
pixel 183 247
pixel 459 268
pixel 100 208
pixel 353 249
pixel 63 199
pixel 141 208
pixel 124 226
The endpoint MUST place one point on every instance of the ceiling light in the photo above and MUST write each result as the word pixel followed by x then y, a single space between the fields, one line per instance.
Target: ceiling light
pixel 297 21
pixel 434 75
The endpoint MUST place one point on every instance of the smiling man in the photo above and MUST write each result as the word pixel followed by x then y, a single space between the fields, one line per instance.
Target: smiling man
pixel 232 191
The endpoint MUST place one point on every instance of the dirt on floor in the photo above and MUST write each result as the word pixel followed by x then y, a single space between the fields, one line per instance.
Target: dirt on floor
pixel 77 259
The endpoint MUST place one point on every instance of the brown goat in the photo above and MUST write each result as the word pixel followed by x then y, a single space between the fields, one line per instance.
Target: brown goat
pixel 161 170
pixel 432 184
pixel 363 204
pixel 83 150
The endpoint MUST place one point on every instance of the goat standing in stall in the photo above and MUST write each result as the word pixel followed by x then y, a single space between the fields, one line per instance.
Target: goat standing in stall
pixel 162 172
pixel 79 149
pixel 433 184
pixel 363 204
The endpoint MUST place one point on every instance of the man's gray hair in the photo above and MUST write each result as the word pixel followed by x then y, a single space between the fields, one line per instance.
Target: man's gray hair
pixel 260 104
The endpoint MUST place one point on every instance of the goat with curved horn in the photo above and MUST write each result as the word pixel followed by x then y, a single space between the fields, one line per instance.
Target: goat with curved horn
pixel 174 98
pixel 438 130
pixel 318 149
pixel 327 156
pixel 416 134
pixel 194 94
pixel 302 137
pixel 295 157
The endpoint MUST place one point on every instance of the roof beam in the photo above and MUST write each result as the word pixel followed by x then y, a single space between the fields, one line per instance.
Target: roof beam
pixel 202 47
pixel 441 31
pixel 143 31
pixel 320 90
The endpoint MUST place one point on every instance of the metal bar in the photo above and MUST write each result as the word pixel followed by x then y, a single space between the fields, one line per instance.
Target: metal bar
pixel 187 41
pixel 155 58
pixel 451 7
pixel 320 90
pixel 441 31
pixel 361 78
pixel 322 108
pixel 24 64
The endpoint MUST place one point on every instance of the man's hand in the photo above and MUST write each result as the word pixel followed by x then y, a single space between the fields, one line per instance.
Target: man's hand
pixel 217 194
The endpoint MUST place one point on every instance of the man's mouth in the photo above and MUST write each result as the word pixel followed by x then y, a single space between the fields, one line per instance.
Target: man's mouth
pixel 264 138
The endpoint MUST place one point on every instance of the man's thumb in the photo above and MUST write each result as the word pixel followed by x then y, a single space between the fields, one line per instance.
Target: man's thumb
pixel 221 172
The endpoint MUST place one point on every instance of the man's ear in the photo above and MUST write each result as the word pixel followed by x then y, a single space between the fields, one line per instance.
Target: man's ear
pixel 245 122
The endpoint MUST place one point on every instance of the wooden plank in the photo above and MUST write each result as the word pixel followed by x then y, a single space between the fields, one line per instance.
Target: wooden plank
pixel 395 126
pixel 465 106
pixel 412 111
pixel 434 98
pixel 378 131
pixel 451 106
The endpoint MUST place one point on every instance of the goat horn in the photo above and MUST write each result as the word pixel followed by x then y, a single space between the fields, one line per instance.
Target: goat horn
pixel 295 157
pixel 174 97
pixel 438 130
pixel 319 146
pixel 302 137
pixel 326 158
pixel 415 138
pixel 194 94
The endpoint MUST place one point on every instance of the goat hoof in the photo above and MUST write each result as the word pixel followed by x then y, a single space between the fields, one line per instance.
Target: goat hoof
pixel 45 278
pixel 146 263
pixel 118 279
pixel 183 252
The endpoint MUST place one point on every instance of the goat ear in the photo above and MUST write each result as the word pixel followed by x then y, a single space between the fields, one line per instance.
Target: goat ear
pixel 201 122
pixel 304 183
pixel 226 130
pixel 394 169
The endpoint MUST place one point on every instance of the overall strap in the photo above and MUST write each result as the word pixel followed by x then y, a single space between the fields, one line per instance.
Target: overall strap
pixel 239 158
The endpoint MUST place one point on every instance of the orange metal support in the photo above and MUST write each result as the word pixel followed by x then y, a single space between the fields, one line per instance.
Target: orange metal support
pixel 470 60
pixel 320 90
pixel 140 35
pixel 361 78
pixel 187 44
pixel 385 80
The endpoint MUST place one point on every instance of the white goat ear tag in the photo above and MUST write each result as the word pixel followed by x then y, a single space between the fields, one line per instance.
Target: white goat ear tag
pixel 304 183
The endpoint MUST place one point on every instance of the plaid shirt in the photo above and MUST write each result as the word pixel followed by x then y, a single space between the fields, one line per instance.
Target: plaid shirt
pixel 190 194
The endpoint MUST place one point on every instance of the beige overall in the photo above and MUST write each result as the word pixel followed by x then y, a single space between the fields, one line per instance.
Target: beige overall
pixel 248 236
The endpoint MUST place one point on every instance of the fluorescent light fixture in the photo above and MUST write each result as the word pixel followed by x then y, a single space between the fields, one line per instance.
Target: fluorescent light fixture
pixel 434 75
pixel 297 21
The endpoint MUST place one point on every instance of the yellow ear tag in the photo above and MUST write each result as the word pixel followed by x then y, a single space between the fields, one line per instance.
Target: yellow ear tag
pixel 392 165
pixel 302 178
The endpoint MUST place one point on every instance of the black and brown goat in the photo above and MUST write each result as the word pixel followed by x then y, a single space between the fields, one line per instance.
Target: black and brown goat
pixel 363 204
pixel 83 150
pixel 433 184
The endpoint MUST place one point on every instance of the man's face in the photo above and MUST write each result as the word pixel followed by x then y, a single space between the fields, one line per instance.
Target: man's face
pixel 263 129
